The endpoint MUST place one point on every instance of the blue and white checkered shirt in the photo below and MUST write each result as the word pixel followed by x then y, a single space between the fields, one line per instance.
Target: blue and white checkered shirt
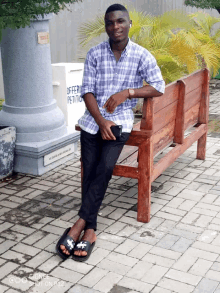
pixel 103 77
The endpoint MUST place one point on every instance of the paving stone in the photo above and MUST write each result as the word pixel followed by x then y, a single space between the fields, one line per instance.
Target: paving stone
pixel 207 286
pixel 111 238
pixel 216 266
pixel 6 245
pixel 15 256
pixel 175 286
pixel 165 252
pixel 183 233
pixel 60 287
pixel 147 236
pixel 7 268
pixel 127 231
pixel 113 267
pixel 202 254
pixel 93 277
pixel 166 226
pixel 140 250
pixel 80 289
pixel 38 259
pixel 97 255
pixel 160 290
pixel 17 282
pixel 167 241
pixel 135 285
pixel 131 221
pixel 105 244
pixel 182 245
pixel 158 260
pixel 126 246
pixel 206 247
pixel 122 259
pixel 166 215
pixel 185 262
pixel 208 236
pixel 139 270
pixel 203 221
pixel 213 275
pixel 107 283
pixel 66 275
pixel 201 267
pixel 115 228
pixel 154 274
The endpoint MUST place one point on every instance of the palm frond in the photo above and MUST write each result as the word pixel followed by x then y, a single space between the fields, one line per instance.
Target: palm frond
pixel 90 30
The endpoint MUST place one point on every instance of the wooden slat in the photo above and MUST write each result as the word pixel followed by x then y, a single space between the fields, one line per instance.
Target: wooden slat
pixel 126 152
pixel 203 116
pixel 179 126
pixel 193 81
pixel 191 116
pixel 165 116
pixel 193 98
pixel 163 137
pixel 147 115
pixel 204 106
pixel 145 168
pixel 137 137
pixel 169 158
pixel 125 171
pixel 130 161
pixel 169 97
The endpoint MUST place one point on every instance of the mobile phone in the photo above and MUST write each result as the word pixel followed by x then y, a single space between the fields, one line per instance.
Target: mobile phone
pixel 116 130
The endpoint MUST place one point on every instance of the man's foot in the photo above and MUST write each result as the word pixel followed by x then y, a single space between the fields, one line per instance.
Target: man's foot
pixel 90 236
pixel 74 232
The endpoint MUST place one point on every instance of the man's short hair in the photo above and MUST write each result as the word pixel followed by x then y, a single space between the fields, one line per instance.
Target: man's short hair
pixel 116 7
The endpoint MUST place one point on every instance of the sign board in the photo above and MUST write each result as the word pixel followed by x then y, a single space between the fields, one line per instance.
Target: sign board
pixel 58 154
pixel 67 82
pixel 43 38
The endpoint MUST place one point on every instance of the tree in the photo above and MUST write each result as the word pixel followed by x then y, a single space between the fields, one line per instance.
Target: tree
pixel 180 42
pixel 18 13
pixel 204 4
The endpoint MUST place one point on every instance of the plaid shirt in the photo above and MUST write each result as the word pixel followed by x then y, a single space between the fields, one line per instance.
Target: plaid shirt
pixel 103 77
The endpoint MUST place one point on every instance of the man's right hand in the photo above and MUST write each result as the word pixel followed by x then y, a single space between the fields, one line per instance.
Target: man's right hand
pixel 105 129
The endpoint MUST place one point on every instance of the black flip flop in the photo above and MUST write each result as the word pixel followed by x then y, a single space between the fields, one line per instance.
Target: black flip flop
pixel 68 242
pixel 83 246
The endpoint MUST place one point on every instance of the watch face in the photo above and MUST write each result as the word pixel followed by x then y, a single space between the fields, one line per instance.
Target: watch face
pixel 131 92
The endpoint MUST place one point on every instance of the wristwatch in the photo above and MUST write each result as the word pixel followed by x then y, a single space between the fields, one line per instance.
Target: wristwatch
pixel 131 93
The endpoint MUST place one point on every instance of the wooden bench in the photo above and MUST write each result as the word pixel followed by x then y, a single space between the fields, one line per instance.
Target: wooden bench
pixel 165 120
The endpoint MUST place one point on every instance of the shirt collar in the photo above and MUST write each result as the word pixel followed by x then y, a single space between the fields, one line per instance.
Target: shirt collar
pixel 126 49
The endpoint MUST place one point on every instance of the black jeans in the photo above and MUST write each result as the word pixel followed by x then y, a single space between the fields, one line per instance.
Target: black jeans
pixel 98 159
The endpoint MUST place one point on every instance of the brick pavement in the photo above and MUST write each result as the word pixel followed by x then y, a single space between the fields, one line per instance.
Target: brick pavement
pixel 178 251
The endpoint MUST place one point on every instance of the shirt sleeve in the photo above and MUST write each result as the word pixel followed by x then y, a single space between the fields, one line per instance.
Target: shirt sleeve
pixel 150 72
pixel 89 75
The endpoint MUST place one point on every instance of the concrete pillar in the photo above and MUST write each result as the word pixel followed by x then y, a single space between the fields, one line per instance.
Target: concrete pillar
pixel 29 105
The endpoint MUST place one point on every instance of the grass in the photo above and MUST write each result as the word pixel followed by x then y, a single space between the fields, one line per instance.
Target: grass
pixel 1 102
pixel 214 126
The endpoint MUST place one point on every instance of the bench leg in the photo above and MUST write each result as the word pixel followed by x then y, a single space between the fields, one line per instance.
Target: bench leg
pixel 145 166
pixel 201 147
pixel 144 198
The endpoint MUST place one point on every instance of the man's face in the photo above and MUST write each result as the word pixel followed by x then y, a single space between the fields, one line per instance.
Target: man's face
pixel 117 24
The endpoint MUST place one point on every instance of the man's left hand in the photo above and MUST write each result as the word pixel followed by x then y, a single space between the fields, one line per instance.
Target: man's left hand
pixel 115 100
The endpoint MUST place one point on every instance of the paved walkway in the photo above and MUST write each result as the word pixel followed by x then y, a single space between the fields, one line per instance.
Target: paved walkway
pixel 178 251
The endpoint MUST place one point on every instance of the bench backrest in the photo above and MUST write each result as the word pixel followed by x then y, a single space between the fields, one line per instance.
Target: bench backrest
pixel 182 105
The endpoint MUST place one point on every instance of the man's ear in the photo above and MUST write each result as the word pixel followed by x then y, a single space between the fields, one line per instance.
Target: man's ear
pixel 130 23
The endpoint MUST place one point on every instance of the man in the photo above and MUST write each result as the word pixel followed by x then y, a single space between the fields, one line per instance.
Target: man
pixel 113 80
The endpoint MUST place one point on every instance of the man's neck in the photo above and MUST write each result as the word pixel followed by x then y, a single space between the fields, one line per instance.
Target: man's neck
pixel 120 46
